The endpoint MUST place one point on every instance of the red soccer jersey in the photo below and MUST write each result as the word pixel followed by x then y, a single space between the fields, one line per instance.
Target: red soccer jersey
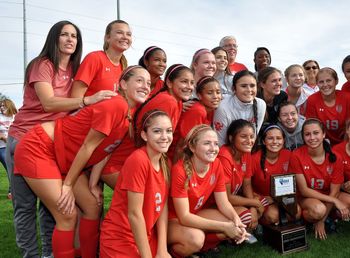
pixel 235 172
pixel 236 67
pixel 334 117
pixel 159 84
pixel 346 87
pixel 341 150
pixel 99 73
pixel 163 101
pixel 108 117
pixel 199 189
pixel 318 176
pixel 261 179
pixel 137 175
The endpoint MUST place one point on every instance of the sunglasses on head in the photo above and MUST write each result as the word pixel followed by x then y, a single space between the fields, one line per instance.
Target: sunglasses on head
pixel 311 67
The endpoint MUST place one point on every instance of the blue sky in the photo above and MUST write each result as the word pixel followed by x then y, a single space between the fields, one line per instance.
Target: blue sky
pixel 294 31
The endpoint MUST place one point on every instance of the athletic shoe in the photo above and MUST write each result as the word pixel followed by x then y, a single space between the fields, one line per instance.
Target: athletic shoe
pixel 252 239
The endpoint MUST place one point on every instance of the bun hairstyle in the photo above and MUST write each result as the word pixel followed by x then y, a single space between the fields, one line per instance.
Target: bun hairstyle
pixel 147 54
pixel 326 145
pixel 147 120
pixel 191 140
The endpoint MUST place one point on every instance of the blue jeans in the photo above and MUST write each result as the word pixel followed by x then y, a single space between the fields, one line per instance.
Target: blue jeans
pixel 24 203
pixel 3 162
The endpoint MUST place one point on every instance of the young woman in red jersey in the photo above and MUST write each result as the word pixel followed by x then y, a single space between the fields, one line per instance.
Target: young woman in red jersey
pixel 154 60
pixel 236 160
pixel 319 175
pixel 136 223
pixel 202 112
pixel 193 179
pixel 329 105
pixel 343 149
pixel 271 159
pixel 101 70
pixel 178 87
pixel 52 155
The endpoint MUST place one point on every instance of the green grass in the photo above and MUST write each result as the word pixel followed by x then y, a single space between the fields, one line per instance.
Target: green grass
pixel 336 246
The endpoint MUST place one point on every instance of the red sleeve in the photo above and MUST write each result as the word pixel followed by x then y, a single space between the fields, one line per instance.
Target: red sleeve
pixel 295 165
pixel 178 178
pixel 106 114
pixel 338 175
pixel 247 160
pixel 226 164
pixel 135 169
pixel 220 183
pixel 310 109
pixel 195 116
pixel 41 71
pixel 88 68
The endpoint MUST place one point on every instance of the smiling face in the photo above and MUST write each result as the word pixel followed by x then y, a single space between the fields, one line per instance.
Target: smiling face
pixel 273 85
pixel 288 117
pixel 206 148
pixel 205 65
pixel 210 96
pixel 274 140
pixel 182 86
pixel 313 136
pixel 158 135
pixel 119 38
pixel 156 63
pixel 230 46
pixel 296 77
pixel 246 88
pixel 262 59
pixel 326 82
pixel 137 87
pixel 221 60
pixel 67 40
pixel 244 140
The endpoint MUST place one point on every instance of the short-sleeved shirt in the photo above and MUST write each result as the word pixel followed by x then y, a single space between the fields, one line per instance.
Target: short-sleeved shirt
pixel 341 150
pixel 108 117
pixel 137 175
pixel 261 178
pixel 32 111
pixel 199 189
pixel 318 176
pixel 159 84
pixel 346 87
pixel 236 67
pixel 333 118
pixel 98 73
pixel 235 172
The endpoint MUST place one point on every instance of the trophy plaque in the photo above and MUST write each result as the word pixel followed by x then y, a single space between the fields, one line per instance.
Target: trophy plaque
pixel 285 237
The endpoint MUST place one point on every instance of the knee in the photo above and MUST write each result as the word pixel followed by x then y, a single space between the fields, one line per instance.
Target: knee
pixel 91 210
pixel 272 215
pixel 66 221
pixel 317 211
pixel 194 241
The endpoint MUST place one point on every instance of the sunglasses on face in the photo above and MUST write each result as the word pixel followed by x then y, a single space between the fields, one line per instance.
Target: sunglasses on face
pixel 311 67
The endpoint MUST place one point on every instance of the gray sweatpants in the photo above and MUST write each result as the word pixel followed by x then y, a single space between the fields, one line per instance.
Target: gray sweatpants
pixel 24 208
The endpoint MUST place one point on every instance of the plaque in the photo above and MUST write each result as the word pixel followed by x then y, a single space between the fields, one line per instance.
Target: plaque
pixel 286 239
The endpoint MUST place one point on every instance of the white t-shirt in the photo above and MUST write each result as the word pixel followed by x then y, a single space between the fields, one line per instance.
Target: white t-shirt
pixel 5 122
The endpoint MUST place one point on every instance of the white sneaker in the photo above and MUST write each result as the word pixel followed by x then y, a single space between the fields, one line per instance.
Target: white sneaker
pixel 252 239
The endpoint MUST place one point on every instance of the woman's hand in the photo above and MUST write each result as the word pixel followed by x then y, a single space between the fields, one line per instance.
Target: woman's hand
pixel 66 202
pixel 187 105
pixel 254 223
pixel 97 193
pixel 346 186
pixel 98 96
pixel 343 209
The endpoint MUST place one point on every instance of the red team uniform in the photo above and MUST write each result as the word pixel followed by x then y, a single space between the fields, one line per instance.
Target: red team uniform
pixel 235 173
pixel 199 189
pixel 99 73
pixel 318 177
pixel 164 102
pixel 334 117
pixel 137 175
pixel 261 179
pixel 236 67
pixel 37 156
pixel 341 150
pixel 157 87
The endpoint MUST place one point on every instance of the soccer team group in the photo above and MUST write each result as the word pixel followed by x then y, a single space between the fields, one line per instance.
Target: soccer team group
pixel 189 156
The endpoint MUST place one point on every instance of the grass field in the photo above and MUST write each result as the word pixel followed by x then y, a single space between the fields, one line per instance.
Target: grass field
pixel 336 246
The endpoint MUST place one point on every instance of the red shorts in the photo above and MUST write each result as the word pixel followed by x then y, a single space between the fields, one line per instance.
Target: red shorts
pixel 35 156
